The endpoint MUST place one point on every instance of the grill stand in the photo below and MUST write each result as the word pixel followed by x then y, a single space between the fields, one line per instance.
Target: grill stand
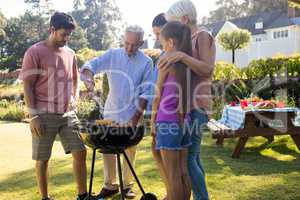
pixel 92 172
pixel 120 173
pixel 120 176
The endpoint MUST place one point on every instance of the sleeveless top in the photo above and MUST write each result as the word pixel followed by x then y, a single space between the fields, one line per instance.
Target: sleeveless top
pixel 168 106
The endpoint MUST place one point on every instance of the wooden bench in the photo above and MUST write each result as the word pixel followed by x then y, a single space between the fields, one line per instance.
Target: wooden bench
pixel 257 123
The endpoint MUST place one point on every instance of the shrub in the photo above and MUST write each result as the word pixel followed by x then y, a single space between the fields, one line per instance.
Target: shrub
pixel 11 91
pixel 153 54
pixel 86 54
pixel 12 111
pixel 4 103
pixel 218 106
pixel 264 78
pixel 273 67
pixel 87 109
pixel 237 90
pixel 226 71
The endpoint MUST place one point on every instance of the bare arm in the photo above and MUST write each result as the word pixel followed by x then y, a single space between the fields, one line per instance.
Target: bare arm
pixel 75 79
pixel 203 66
pixel 137 115
pixel 35 123
pixel 162 74
pixel 28 86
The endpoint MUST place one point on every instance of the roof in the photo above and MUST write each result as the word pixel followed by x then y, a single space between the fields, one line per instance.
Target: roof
pixel 271 19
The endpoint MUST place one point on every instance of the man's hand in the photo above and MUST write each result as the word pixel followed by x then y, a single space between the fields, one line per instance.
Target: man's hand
pixel 168 59
pixel 88 79
pixel 134 120
pixel 36 126
pixel 139 113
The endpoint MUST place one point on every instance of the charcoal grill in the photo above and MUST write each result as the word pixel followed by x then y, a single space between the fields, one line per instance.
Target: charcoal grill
pixel 113 140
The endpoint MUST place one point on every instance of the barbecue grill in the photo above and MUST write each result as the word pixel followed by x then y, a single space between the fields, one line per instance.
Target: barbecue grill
pixel 113 139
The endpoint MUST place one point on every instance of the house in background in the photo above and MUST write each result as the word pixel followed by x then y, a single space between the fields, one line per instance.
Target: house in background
pixel 272 33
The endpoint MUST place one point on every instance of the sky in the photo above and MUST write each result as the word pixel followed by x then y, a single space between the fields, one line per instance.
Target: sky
pixel 140 12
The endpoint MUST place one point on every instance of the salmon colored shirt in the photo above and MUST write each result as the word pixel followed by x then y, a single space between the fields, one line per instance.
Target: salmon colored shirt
pixel 201 85
pixel 54 73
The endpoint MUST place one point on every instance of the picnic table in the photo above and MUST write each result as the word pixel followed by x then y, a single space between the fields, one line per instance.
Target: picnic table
pixel 244 123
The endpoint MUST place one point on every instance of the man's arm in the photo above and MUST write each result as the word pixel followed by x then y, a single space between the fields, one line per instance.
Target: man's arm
pixel 142 104
pixel 29 75
pixel 75 78
pixel 28 86
pixel 145 93
pixel 35 123
pixel 94 66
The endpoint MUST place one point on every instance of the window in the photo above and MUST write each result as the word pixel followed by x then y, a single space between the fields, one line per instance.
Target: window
pixel 259 25
pixel 278 34
pixel 281 34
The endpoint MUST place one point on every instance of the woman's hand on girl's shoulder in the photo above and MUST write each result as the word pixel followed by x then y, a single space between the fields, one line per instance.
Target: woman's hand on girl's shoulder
pixel 169 58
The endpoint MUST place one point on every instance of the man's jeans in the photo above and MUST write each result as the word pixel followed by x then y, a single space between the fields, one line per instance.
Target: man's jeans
pixel 198 119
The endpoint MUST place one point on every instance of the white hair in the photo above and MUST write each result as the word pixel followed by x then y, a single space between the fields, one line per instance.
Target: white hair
pixel 182 8
pixel 135 29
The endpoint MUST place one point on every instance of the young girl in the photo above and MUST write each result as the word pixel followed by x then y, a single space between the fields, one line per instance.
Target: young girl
pixel 168 114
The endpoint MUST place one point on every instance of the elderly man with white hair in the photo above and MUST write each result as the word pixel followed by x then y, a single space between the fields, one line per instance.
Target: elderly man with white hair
pixel 129 76
pixel 201 63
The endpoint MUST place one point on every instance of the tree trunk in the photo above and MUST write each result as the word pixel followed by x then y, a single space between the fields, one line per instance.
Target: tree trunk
pixel 233 56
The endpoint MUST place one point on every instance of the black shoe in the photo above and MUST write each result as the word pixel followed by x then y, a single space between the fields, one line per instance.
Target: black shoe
pixel 107 193
pixel 129 194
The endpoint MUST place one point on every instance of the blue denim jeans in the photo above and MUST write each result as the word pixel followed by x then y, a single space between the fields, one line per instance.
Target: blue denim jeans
pixel 170 136
pixel 198 118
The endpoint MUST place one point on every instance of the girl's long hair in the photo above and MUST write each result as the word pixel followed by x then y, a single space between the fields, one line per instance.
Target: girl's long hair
pixel 181 35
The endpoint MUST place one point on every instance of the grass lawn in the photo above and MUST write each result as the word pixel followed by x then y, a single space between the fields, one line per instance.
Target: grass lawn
pixel 264 171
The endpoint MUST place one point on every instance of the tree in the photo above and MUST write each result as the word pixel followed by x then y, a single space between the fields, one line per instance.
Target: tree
pixel 2 25
pixel 21 33
pixel 234 40
pixel 258 6
pixel 99 19
pixel 78 39
pixel 230 9
pixel 41 7
pixel 227 9
pixel 2 32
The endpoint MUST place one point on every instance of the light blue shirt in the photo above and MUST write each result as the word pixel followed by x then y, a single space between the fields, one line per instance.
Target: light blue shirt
pixel 129 79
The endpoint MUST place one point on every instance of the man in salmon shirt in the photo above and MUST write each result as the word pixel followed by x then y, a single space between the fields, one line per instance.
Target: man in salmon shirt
pixel 49 73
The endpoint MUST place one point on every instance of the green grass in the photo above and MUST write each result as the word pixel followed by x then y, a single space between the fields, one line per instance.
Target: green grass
pixel 264 172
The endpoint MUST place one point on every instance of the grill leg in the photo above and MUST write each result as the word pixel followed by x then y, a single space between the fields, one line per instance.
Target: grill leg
pixel 120 177
pixel 133 173
pixel 92 172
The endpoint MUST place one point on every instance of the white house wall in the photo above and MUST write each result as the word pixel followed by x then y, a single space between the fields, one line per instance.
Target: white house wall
pixel 297 38
pixel 268 47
